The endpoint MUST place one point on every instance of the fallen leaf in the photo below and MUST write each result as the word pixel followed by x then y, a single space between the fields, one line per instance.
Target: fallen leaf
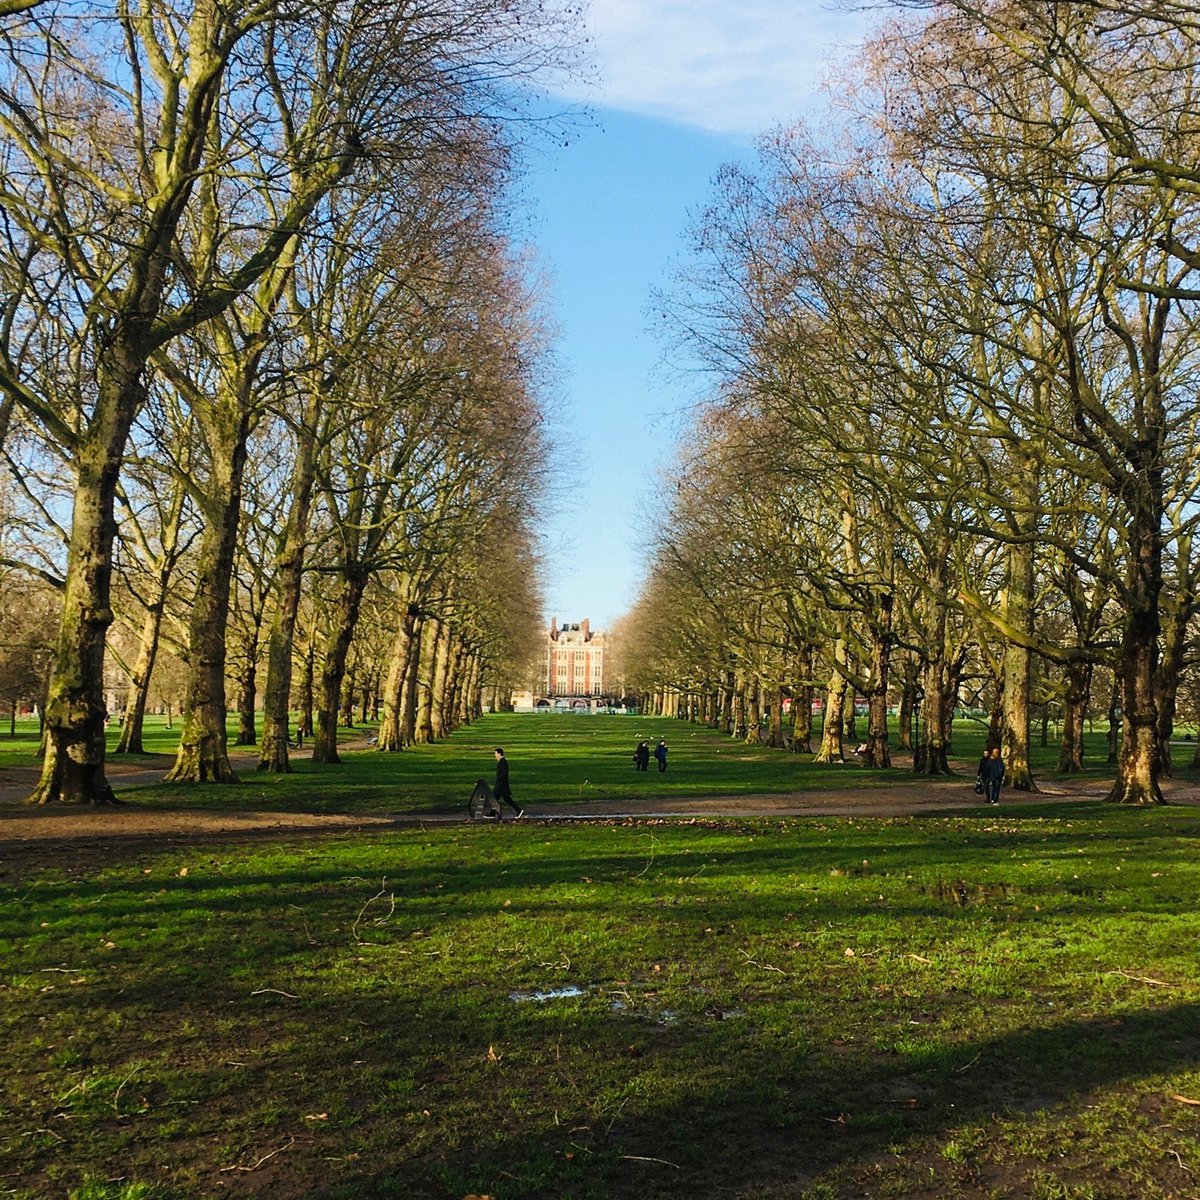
pixel 492 1056
pixel 183 870
pixel 317 1117
pixel 849 952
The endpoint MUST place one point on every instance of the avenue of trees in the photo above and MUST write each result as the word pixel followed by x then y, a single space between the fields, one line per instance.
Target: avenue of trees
pixel 271 370
pixel 951 457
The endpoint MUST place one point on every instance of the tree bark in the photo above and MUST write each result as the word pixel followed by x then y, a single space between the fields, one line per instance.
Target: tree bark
pixel 878 753
pixel 333 670
pixel 1076 695
pixel 203 755
pixel 832 749
pixel 391 727
pixel 1018 666
pixel 1139 762
pixel 73 766
pixel 139 683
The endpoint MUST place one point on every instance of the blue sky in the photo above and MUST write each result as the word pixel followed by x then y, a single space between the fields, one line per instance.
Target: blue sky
pixel 684 86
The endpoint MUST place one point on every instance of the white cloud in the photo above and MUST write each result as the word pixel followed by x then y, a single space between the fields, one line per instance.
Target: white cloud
pixel 729 66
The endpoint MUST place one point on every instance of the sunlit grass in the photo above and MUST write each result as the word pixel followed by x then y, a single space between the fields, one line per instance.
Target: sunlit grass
pixel 839 1008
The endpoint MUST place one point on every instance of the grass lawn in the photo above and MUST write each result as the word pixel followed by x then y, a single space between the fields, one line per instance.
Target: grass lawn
pixel 555 759
pixel 968 1006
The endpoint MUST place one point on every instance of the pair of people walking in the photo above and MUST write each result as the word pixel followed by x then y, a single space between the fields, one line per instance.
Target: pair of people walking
pixel 991 775
pixel 641 756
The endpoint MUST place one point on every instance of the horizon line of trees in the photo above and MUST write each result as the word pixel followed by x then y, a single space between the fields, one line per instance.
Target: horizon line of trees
pixel 271 368
pixel 951 451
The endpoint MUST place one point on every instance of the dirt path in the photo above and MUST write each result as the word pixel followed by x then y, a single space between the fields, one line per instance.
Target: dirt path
pixel 73 837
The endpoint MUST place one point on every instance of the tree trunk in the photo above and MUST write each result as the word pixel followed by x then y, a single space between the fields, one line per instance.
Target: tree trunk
pixel 1075 702
pixel 739 711
pixel 431 633
pixel 73 766
pixel 1170 668
pixel 878 754
pixel 139 683
pixel 304 718
pixel 1139 762
pixel 832 750
pixel 1018 668
pixel 247 734
pixel 908 701
pixel 754 711
pixel 412 685
pixel 346 708
pixel 337 650
pixel 802 698
pixel 391 727
pixel 1113 736
pixel 775 726
pixel 203 754
pixel 277 693
pixel 440 682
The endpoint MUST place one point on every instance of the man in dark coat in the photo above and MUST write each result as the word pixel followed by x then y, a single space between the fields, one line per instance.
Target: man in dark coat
pixel 641 756
pixel 991 771
pixel 502 790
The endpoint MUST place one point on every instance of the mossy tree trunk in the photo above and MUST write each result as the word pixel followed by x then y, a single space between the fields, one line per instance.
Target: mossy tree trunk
pixel 73 765
pixel 832 749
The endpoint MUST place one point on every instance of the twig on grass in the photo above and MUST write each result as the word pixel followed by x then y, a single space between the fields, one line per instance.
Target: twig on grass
pixel 382 892
pixel 1182 1165
pixel 762 966
pixel 646 1158
pixel 275 992
pixel 1185 1099
pixel 265 1158
pixel 919 958
pixel 968 1066
pixel 653 852
pixel 1140 978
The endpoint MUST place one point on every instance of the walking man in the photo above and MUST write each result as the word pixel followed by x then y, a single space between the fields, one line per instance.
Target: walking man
pixel 503 791
pixel 660 752
pixel 991 771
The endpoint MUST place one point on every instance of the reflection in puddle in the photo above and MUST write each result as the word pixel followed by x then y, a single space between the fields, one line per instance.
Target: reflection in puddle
pixel 559 993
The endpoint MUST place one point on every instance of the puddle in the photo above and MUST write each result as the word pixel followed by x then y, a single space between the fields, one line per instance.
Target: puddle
pixel 558 993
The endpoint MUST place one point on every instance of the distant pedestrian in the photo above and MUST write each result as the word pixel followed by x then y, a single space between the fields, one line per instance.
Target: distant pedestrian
pixel 660 752
pixel 991 771
pixel 641 756
pixel 502 790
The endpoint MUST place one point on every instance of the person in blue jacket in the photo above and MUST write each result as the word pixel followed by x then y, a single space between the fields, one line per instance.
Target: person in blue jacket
pixel 660 753
pixel 991 771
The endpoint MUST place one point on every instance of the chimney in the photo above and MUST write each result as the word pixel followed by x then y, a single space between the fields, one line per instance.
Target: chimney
pixel 584 628
pixel 554 629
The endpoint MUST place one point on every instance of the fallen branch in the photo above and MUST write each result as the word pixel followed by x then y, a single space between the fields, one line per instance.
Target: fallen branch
pixel 644 1158
pixel 1185 1099
pixel 265 1158
pixel 382 892
pixel 274 992
pixel 1140 978
pixel 919 958
pixel 762 966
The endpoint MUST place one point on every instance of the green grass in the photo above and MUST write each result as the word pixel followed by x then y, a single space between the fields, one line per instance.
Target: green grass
pixel 555 759
pixel 977 1005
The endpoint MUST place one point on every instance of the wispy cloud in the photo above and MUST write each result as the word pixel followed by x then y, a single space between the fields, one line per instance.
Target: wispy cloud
pixel 729 66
